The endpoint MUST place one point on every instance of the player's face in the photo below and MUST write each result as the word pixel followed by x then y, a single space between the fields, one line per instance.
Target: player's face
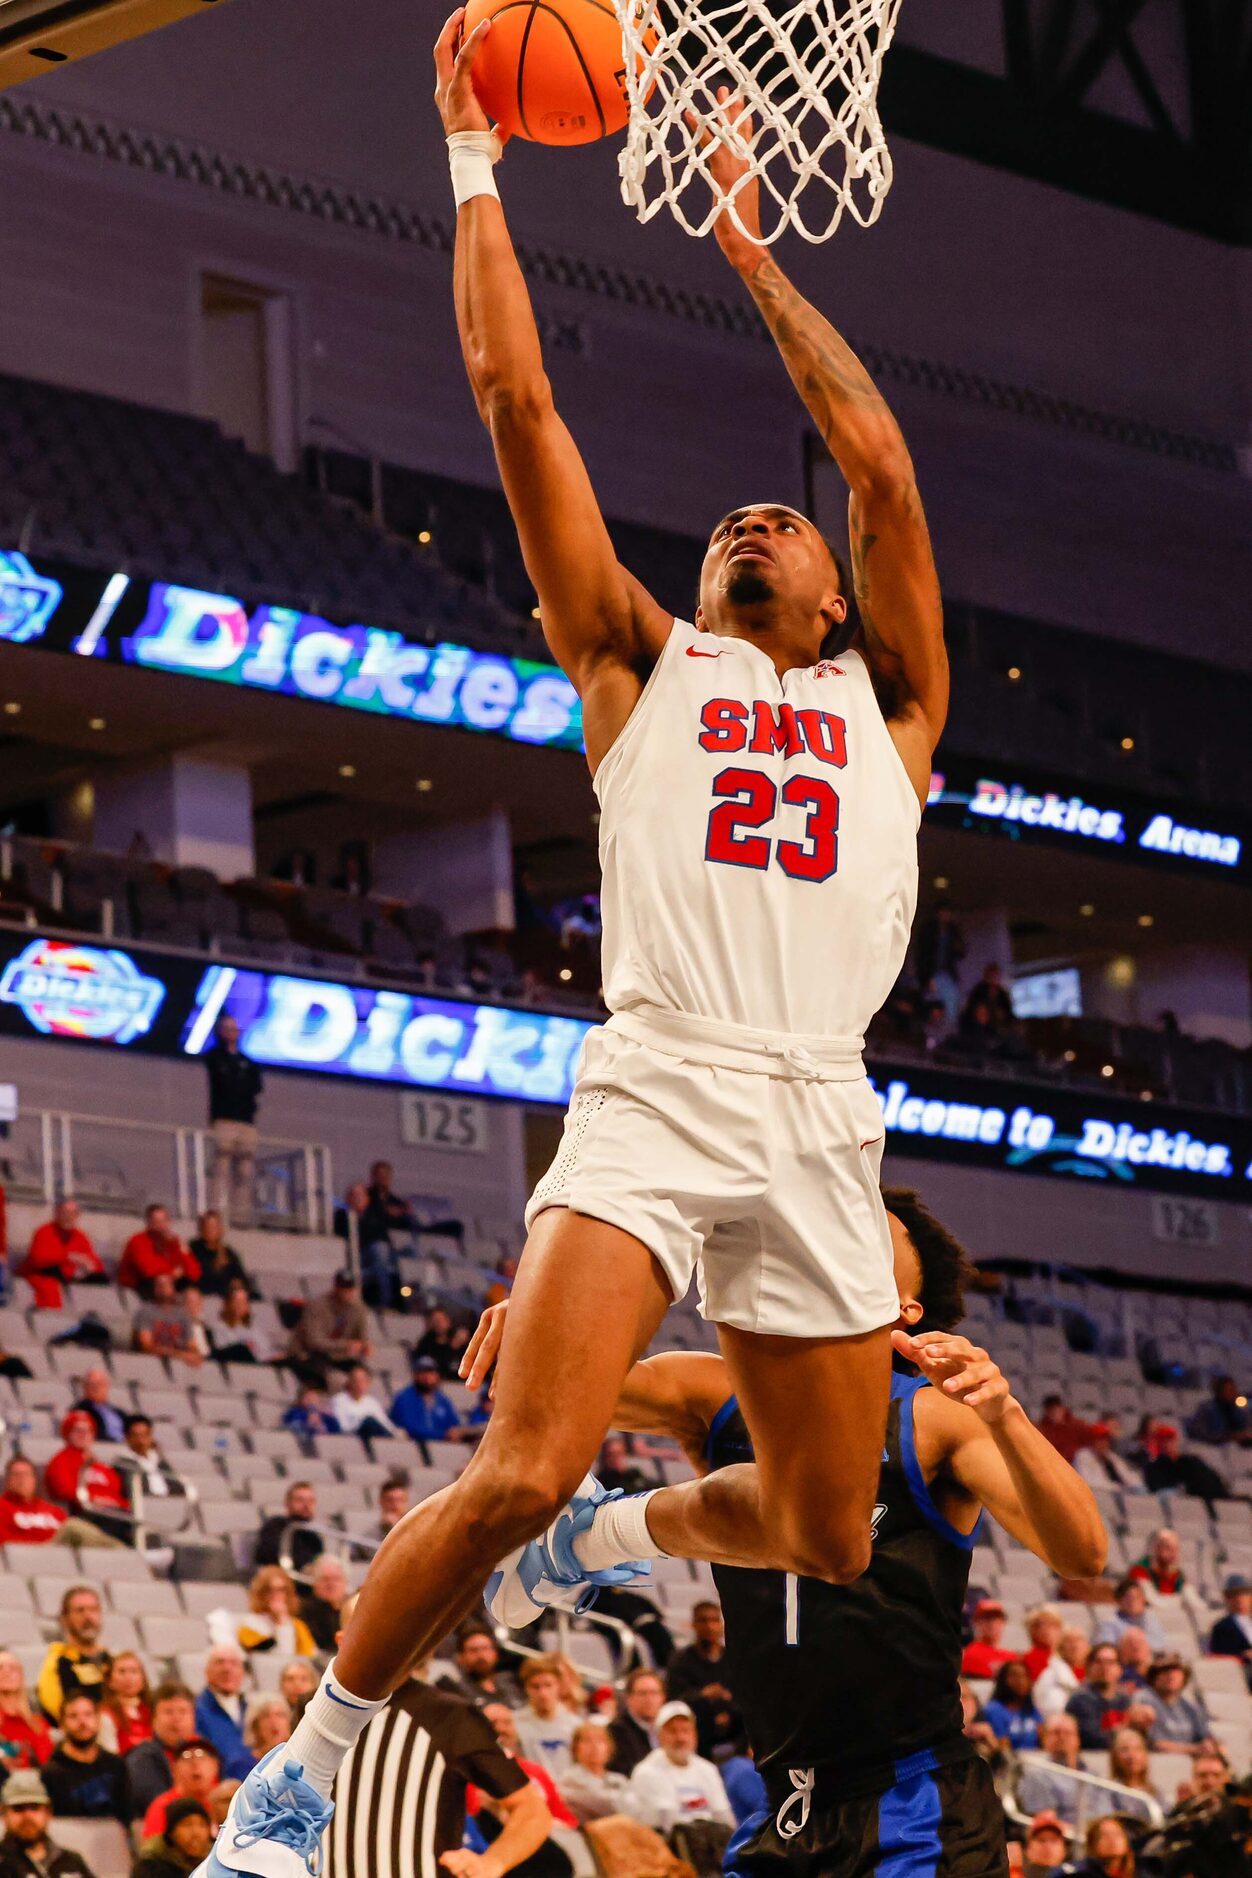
pixel 768 553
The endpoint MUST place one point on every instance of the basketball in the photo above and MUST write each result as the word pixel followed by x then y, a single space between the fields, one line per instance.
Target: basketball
pixel 552 71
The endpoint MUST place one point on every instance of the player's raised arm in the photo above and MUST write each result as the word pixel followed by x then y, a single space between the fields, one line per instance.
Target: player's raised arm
pixel 897 588
pixel 983 1439
pixel 604 630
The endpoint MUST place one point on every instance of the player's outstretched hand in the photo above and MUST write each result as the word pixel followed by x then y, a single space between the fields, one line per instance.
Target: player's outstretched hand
pixel 483 1347
pixel 728 167
pixel 454 66
pixel 959 1369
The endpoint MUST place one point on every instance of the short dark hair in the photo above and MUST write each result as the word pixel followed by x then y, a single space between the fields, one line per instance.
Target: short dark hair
pixel 172 1691
pixel 706 1604
pixel 473 1627
pixel 139 1420
pixel 946 1266
pixel 74 1591
pixel 642 1674
pixel 398 1483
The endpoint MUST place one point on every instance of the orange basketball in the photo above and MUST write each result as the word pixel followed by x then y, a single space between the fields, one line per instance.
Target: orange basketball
pixel 553 71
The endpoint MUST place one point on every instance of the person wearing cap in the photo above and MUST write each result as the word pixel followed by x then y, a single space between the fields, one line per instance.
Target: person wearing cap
pixel 77 1662
pixel 983 1657
pixel 545 1727
pixel 674 1785
pixel 1102 1467
pixel 1232 1634
pixel 422 1410
pixel 333 1332
pixel 74 1471
pixel 1181 1724
pixel 84 1780
pixel 26 1851
pixel 1168 1470
pixel 196 1767
pixel 186 1840
pixel 1046 1846
pixel 358 1410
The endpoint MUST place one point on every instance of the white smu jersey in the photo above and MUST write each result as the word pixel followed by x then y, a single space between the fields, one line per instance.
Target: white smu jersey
pixel 758 841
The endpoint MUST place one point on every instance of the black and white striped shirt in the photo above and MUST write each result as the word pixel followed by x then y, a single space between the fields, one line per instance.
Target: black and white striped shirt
pixel 400 1795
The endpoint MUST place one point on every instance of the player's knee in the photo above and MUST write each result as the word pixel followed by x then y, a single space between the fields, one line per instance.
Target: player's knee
pixel 833 1548
pixel 506 1507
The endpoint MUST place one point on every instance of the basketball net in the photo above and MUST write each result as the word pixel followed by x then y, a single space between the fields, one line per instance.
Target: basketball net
pixel 807 71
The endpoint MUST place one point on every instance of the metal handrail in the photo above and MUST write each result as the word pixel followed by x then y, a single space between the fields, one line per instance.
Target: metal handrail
pixel 625 1635
pixel 1099 1782
pixel 333 1537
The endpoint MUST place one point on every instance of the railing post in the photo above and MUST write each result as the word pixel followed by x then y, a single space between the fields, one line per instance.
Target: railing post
pixel 311 1208
pixel 67 1156
pixel 47 1155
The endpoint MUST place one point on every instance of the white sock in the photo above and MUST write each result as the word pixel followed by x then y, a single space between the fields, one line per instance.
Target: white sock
pixel 327 1731
pixel 619 1531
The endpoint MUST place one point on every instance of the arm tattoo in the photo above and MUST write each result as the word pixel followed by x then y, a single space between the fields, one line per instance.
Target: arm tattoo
pixel 836 387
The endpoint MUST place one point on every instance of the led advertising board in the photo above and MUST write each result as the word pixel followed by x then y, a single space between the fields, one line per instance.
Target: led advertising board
pixel 163 1003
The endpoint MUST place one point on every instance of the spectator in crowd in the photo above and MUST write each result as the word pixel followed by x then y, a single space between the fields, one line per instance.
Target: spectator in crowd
pixel 77 1663
pixel 1232 1634
pixel 990 991
pixel 1100 1705
pixel 25 1518
pixel 1135 1654
pixel 633 1731
pixel 307 1541
pixel 1181 1724
pixel 325 1600
pixel 422 1410
pixel 1047 1783
pixel 126 1712
pixel 269 1723
pixel 97 1388
pixel 1225 1419
pixel 25 1740
pixel 78 1481
pixel 581 925
pixel 297 1683
pixel 220 1264
pixel 143 1460
pixel 545 1727
pixel 699 1671
pixel 27 1851
pixel 355 1218
pixel 185 1843
pixel 673 1783
pixel 1129 1763
pixel 1131 1613
pixel 588 1787
pixel 1064 1675
pixel 1063 1428
pixel 1169 1470
pixel 60 1254
pixel 394 1500
pixel 443 1341
pixel 222 1708
pixel 980 1733
pixel 1102 1467
pixel 196 1768
pixel 234 1092
pixel 333 1332
pixel 940 950
pixel 83 1779
pixel 1045 1847
pixel 617 1472
pixel 1210 1776
pixel 1044 1627
pixel 358 1410
pixel 235 1337
pixel 155 1252
pixel 503 1723
pixel 1161 1565
pixel 983 1657
pixel 274 1624
pixel 163 1326
pixel 479 1677
pixel 309 1416
pixel 150 1765
pixel 1011 1711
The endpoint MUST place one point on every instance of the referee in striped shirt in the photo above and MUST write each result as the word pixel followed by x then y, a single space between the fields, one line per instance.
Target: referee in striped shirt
pixel 400 1795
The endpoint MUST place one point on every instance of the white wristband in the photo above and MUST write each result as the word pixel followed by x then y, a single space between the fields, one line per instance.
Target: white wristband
pixel 472 155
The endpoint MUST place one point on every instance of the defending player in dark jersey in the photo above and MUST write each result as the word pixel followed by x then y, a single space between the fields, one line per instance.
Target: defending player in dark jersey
pixel 850 1693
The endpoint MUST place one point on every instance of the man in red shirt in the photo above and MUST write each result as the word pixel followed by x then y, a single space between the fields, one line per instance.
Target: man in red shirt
pixel 25 1519
pixel 60 1254
pixel 1064 1429
pixel 76 1469
pixel 155 1250
pixel 196 1766
pixel 983 1657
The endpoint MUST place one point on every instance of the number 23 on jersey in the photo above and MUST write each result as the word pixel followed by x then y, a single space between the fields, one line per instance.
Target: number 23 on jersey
pixel 747 800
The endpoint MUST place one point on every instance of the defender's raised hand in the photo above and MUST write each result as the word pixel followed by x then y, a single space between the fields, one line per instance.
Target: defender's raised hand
pixel 959 1368
pixel 454 66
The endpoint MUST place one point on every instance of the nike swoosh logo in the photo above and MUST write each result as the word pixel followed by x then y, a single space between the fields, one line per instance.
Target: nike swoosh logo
pixel 871 1143
pixel 693 652
pixel 360 1707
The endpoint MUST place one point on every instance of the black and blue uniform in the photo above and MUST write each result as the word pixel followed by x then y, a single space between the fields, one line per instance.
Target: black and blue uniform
pixel 851 1693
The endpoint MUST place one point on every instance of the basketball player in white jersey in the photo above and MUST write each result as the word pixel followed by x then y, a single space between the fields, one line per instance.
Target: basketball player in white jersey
pixel 759 813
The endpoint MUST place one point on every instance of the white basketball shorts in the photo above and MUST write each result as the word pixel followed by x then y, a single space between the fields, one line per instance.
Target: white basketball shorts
pixel 747 1158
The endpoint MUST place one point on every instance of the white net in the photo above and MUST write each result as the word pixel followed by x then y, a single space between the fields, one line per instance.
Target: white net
pixel 808 73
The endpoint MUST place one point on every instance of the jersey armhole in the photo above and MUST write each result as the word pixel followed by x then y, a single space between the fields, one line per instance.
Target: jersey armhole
pixel 718 1422
pixel 964 1541
pixel 607 762
pixel 919 806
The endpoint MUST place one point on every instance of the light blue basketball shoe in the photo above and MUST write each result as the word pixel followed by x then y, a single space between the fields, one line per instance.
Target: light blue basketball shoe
pixel 546 1574
pixel 274 1827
